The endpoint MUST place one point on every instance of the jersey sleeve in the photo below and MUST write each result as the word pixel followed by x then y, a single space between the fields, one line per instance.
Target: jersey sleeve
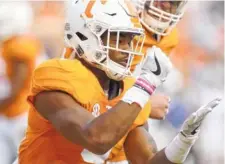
pixel 22 48
pixel 49 76
pixel 65 76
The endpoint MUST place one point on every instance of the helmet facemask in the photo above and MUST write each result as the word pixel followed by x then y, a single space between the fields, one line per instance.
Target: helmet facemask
pixel 119 57
pixel 101 56
pixel 161 17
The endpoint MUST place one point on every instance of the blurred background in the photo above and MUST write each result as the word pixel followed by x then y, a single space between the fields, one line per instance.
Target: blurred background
pixel 197 78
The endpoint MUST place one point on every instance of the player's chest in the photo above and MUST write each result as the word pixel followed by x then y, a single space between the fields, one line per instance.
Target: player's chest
pixel 101 101
pixel 98 107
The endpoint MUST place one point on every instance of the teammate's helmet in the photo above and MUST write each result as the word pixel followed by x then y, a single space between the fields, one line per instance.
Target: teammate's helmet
pixel 159 16
pixel 86 22
pixel 15 19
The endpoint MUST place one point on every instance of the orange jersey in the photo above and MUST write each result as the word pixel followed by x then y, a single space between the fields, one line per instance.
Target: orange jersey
pixel 43 144
pixel 166 43
pixel 25 49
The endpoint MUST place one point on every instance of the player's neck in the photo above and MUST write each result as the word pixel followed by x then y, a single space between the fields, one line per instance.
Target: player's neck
pixel 110 87
pixel 100 75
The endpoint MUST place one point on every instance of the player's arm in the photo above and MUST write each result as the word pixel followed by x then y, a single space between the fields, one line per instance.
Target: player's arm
pixel 100 134
pixel 140 146
pixel 159 106
pixel 79 126
pixel 17 82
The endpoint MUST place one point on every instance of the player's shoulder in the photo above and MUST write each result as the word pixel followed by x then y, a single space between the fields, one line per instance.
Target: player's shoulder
pixel 174 33
pixel 169 42
pixel 64 67
pixel 172 37
pixel 165 41
pixel 66 75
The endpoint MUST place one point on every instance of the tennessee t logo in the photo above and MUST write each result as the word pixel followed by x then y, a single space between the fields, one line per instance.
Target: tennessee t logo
pixel 90 6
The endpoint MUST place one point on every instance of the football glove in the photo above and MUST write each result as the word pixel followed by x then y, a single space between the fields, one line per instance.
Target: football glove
pixel 154 71
pixel 178 149
pixel 192 124
pixel 155 67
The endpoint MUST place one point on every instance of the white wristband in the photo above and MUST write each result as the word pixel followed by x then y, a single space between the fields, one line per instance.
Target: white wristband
pixel 136 95
pixel 178 150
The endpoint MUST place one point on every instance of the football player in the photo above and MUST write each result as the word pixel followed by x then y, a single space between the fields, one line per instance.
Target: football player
pixel 86 109
pixel 158 100
pixel 159 19
pixel 18 51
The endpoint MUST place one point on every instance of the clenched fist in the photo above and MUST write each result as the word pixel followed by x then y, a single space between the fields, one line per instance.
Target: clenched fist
pixel 159 106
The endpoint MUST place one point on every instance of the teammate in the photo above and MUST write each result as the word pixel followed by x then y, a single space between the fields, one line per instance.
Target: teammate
pixel 84 110
pixel 159 19
pixel 18 52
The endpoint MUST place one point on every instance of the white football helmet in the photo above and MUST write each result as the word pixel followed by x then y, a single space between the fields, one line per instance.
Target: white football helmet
pixel 87 20
pixel 15 18
pixel 158 16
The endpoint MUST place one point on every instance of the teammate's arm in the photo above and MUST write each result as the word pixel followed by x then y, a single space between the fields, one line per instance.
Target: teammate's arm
pixel 17 83
pixel 140 147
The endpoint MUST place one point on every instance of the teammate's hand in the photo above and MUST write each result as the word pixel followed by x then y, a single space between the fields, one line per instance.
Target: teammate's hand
pixel 159 106
pixel 192 124
pixel 156 66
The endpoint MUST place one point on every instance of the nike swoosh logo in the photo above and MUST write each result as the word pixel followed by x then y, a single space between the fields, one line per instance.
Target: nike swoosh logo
pixel 158 70
pixel 195 130
pixel 110 14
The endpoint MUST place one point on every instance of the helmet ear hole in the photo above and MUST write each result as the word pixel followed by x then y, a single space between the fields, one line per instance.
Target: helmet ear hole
pixel 69 36
pixel 81 36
